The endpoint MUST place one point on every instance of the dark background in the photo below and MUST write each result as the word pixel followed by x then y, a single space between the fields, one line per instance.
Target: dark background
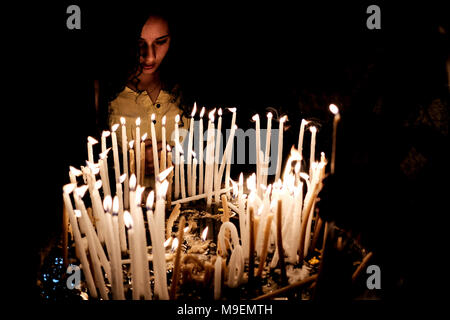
pixel 296 59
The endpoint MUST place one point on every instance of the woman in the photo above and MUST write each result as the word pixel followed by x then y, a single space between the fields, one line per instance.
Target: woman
pixel 146 87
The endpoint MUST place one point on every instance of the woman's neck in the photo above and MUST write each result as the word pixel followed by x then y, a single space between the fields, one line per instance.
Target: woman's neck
pixel 149 83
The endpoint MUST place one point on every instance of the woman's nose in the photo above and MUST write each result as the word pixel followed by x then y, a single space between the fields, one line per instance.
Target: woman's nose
pixel 150 55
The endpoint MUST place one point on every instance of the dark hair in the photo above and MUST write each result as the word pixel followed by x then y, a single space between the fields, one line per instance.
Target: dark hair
pixel 123 53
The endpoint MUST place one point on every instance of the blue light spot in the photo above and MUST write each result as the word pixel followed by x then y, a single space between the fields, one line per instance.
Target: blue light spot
pixel 55 280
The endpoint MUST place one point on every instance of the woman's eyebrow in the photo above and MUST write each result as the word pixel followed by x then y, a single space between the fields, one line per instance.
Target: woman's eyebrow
pixel 162 37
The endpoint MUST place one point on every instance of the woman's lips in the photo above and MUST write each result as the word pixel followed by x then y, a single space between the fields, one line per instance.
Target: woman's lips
pixel 149 66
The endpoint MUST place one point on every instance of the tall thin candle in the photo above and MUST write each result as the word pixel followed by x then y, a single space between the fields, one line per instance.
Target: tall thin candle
pixel 177 159
pixel 280 148
pixel 335 110
pixel 228 169
pixel 189 148
pixel 91 142
pixel 201 136
pixel 218 143
pixel 125 162
pixel 154 146
pixel 163 165
pixel 138 150
pixel 312 149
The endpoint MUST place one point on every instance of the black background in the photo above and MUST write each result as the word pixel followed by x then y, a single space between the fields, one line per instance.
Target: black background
pixel 295 58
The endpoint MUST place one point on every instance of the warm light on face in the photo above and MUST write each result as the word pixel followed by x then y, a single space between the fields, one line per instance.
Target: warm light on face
pixel 334 109
pixel 114 127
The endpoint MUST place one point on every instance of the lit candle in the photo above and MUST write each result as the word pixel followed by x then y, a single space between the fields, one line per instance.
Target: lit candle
pixel 144 136
pixel 125 162
pixel 121 226
pixel 132 158
pixel 189 162
pixel 177 159
pixel 105 134
pixel 209 171
pixel 103 162
pixel 170 178
pixel 267 151
pixel 280 243
pixel 251 260
pixel 79 245
pixel 280 148
pixel 227 152
pixel 73 173
pixel 227 172
pixel 183 182
pixel 133 254
pixel 242 215
pixel 258 148
pixel 201 136
pixel 154 146
pixel 163 140
pixel 115 152
pixel 91 142
pixel 194 176
pixel 138 150
pixel 312 157
pixel 300 136
pixel 218 143
pixel 335 110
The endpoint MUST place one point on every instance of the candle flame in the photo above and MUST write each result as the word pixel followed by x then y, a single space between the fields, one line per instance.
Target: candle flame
pixel 259 211
pixel 334 109
pixel 138 121
pixel 304 175
pixel 133 182
pixel 255 117
pixel 98 184
pixel 131 144
pixel 77 213
pixel 211 114
pixel 185 230
pixel 107 203
pixel 232 109
pixel 144 136
pixel 106 134
pixel 163 121
pixel 313 129
pixel 122 120
pixel 122 178
pixel 304 122
pixel 193 154
pixel 194 110
pixel 92 140
pixel 174 244
pixel 269 115
pixel 235 188
pixel 103 155
pixel 114 127
pixel 241 179
pixel 140 190
pixel 204 233
pixel 168 148
pixel 297 167
pixel 167 242
pixel 177 118
pixel 127 219
pixel 202 112
pixel 75 171
pixel 153 117
pixel 115 206
pixel 219 112
pixel 150 200
pixel 163 175
pixel 162 190
pixel 251 182
pixel 283 119
pixel 68 188
pixel 80 191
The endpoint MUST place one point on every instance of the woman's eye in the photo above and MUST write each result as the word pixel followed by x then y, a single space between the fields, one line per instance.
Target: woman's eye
pixel 161 42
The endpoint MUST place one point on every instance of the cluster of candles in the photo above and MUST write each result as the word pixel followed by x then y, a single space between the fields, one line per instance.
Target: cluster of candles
pixel 114 224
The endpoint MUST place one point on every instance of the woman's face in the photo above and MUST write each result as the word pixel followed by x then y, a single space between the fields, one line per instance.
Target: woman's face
pixel 154 44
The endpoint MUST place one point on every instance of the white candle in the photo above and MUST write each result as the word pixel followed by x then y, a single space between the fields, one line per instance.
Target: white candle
pixel 105 134
pixel 267 151
pixel 143 138
pixel 188 160
pixel 217 278
pixel 79 245
pixel 209 172
pixel 125 162
pixel 280 148
pixel 183 182
pixel 217 181
pixel 198 196
pixel 312 149
pixel 121 225
pixel 177 159
pixel 200 155
pixel 194 176
pixel 114 250
pixel 115 152
pixel 154 146
pixel 73 173
pixel 335 110
pixel 300 138
pixel 227 152
pixel 258 148
pixel 91 142
pixel 138 150
pixel 228 170
pixel 163 165
pixel 104 172
pixel 243 224
pixel 133 253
